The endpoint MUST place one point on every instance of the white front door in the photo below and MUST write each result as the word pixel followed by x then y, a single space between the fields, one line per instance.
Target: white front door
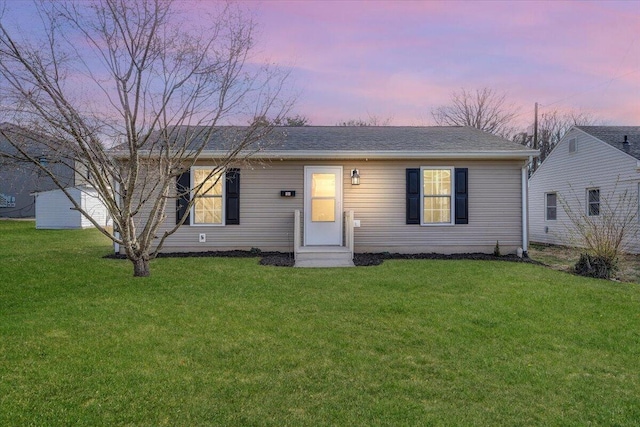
pixel 323 205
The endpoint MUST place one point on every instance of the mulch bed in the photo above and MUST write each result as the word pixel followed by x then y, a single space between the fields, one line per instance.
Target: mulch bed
pixel 283 259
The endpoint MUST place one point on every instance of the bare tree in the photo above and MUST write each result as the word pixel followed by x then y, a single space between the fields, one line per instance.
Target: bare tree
pixel 484 109
pixel 129 94
pixel 295 121
pixel 552 125
pixel 372 120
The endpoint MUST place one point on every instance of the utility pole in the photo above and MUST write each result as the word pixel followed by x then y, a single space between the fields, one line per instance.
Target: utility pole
pixel 535 128
pixel 534 163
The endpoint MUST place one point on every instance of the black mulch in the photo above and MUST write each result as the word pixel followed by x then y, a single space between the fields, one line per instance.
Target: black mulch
pixel 283 259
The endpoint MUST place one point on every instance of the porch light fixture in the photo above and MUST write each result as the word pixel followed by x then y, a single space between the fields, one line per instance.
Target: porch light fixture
pixel 355 177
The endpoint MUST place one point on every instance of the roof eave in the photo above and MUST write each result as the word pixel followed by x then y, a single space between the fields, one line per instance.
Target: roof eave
pixel 383 155
pixel 369 155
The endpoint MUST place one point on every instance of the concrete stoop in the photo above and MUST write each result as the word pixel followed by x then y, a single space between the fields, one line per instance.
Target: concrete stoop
pixel 324 256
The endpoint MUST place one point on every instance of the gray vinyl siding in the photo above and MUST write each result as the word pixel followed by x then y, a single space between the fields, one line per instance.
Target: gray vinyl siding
pixel 266 219
pixel 595 164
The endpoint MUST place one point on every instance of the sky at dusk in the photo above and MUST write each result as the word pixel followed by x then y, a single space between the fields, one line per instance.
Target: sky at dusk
pixel 399 60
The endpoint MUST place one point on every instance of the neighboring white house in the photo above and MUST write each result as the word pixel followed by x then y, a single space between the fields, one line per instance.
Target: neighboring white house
pixel 55 211
pixel 584 170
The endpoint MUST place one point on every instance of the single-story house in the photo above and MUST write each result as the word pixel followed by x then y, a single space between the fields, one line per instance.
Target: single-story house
pixel 590 166
pixel 321 191
pixel 55 211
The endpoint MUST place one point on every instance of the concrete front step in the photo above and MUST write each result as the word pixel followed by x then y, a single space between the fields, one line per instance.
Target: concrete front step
pixel 324 256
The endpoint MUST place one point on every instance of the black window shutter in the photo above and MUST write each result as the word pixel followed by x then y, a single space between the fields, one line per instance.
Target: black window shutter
pixel 462 196
pixel 413 196
pixel 232 195
pixel 183 184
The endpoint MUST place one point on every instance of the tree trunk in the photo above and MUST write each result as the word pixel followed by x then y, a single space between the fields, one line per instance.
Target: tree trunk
pixel 141 267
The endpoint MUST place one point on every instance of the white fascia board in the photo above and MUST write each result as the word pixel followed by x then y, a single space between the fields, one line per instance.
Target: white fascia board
pixel 376 155
pixel 381 155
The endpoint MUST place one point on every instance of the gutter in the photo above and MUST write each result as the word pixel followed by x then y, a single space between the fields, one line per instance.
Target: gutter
pixel 367 155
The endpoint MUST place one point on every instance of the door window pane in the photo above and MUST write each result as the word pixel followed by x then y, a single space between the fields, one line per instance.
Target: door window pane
pixel 323 210
pixel 323 185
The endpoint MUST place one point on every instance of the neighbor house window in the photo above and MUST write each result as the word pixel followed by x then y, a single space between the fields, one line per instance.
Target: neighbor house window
pixel 551 206
pixel 437 187
pixel 7 201
pixel 573 145
pixel 208 201
pixel 593 201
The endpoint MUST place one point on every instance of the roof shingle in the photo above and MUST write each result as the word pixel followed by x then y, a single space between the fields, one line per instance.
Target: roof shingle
pixel 614 136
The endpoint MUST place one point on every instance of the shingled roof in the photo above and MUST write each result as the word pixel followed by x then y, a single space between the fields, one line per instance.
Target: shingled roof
pixel 614 136
pixel 343 142
pixel 370 142
pixel 392 138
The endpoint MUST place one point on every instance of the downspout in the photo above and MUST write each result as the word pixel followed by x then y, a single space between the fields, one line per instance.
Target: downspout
pixel 525 209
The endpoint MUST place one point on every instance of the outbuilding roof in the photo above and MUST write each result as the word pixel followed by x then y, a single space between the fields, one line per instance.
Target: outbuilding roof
pixel 615 136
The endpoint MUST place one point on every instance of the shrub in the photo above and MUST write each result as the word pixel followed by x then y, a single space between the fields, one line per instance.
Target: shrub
pixel 605 234
pixel 595 266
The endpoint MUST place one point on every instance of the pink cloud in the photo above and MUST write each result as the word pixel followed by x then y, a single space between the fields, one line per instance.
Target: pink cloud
pixel 349 59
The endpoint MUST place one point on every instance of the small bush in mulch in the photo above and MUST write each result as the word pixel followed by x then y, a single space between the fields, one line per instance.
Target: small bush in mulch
pixel 283 259
pixel 594 266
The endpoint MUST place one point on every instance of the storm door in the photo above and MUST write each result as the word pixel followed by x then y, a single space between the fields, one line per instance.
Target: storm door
pixel 323 205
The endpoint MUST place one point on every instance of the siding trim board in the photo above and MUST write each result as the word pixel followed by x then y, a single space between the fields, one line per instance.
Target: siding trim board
pixel 377 155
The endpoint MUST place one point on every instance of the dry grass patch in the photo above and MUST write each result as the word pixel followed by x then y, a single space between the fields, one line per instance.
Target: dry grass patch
pixel 563 258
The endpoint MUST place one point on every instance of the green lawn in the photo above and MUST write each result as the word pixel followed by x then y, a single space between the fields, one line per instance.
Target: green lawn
pixel 218 341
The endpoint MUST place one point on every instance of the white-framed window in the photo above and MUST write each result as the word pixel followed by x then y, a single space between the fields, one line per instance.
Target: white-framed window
pixel 437 195
pixel 7 201
pixel 208 204
pixel 573 145
pixel 551 206
pixel 593 201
